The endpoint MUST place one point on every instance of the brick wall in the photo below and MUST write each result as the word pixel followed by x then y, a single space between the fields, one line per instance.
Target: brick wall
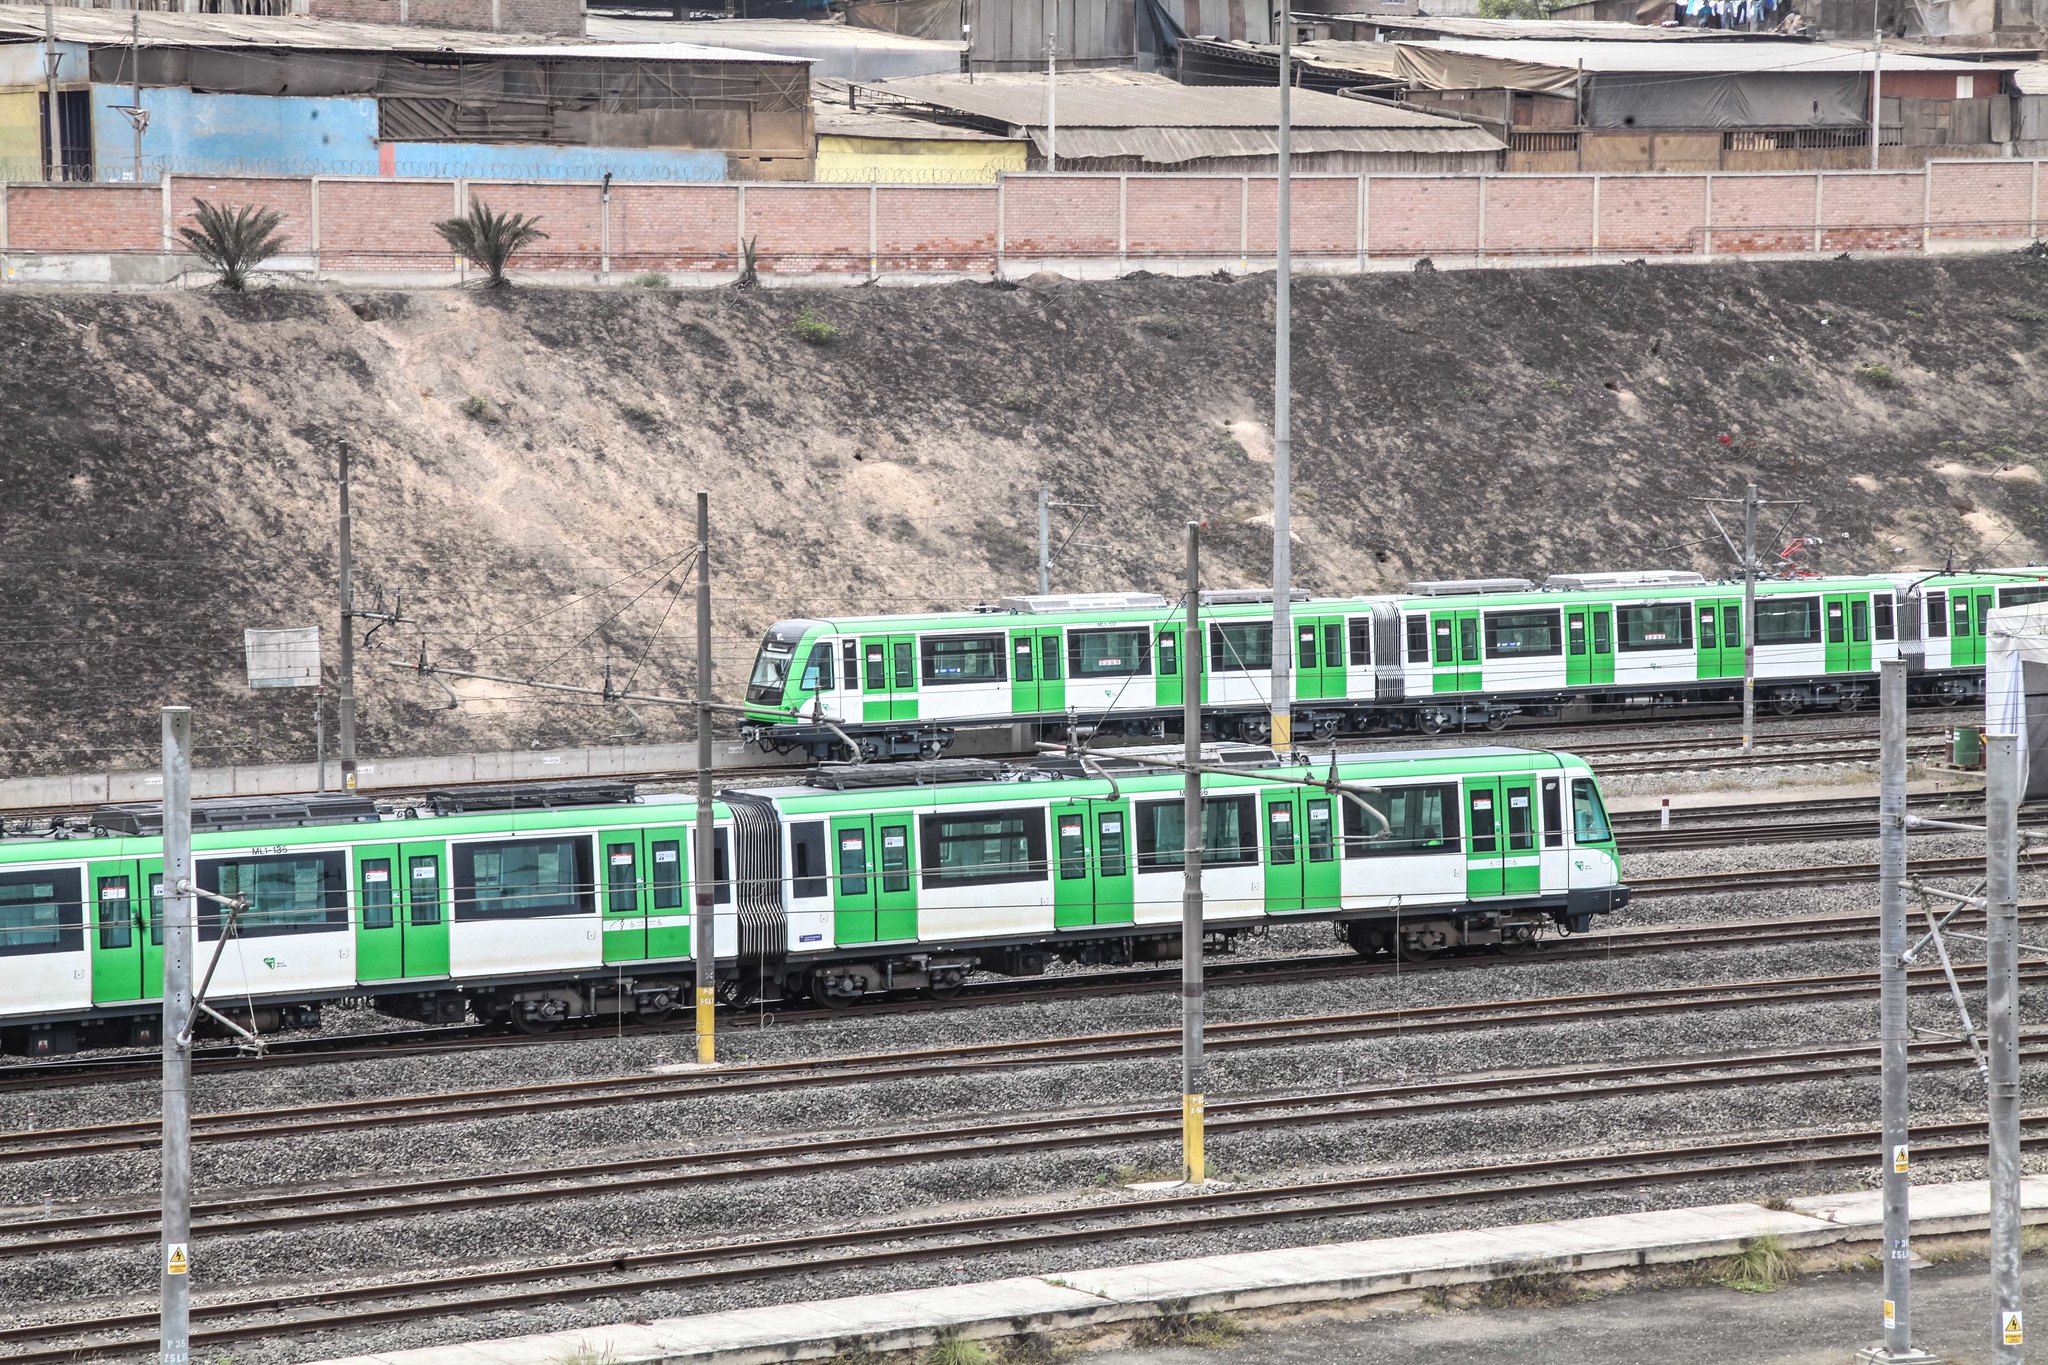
pixel 1107 222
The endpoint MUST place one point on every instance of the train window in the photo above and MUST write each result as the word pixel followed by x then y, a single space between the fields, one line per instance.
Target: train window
pixel 721 868
pixel 1305 647
pixel 522 879
pixel 666 879
pixel 807 857
pixel 1962 611
pixel 1241 647
pixel 1169 654
pixel 1515 634
pixel 1589 816
pixel 905 678
pixel 1480 806
pixel 1708 634
pixel 895 857
pixel 983 848
pixel 117 915
pixel 156 911
pixel 771 670
pixel 1280 833
pixel 878 667
pixel 1419 820
pixel 1110 844
pixel 1109 653
pixel 853 862
pixel 1073 847
pixel 1731 627
pixel 41 912
pixel 288 893
pixel 1575 633
pixel 2021 596
pixel 1553 814
pixel 1937 614
pixel 1881 615
pixel 849 662
pixel 818 671
pixel 1446 651
pixel 1360 628
pixel 1521 820
pixel 1601 641
pixel 426 890
pixel 1418 639
pixel 949 659
pixel 1333 646
pixel 378 908
pixel 1654 625
pixel 1837 628
pixel 1228 835
pixel 1788 620
pixel 1049 658
pixel 621 880
pixel 1024 669
pixel 1468 640
pixel 1322 843
pixel 1859 622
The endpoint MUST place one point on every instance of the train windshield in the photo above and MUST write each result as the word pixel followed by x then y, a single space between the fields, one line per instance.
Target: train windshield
pixel 1589 816
pixel 772 665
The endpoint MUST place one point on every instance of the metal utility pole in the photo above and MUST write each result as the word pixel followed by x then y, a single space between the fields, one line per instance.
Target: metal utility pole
pixel 1283 391
pixel 703 928
pixel 345 695
pixel 1052 120
pixel 1193 1164
pixel 1876 95
pixel 175 1253
pixel 140 118
pixel 1749 506
pixel 2001 1004
pixel 1044 540
pixel 51 59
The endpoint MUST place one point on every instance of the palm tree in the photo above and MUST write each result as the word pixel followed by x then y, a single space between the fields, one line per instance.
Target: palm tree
pixel 234 241
pixel 488 240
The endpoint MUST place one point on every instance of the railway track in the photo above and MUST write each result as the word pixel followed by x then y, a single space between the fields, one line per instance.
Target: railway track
pixel 121 1332
pixel 1271 971
pixel 1092 1049
pixel 1820 874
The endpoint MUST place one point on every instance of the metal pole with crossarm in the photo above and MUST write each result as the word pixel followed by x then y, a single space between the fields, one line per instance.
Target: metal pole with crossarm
pixel 1193 1165
pixel 175 1254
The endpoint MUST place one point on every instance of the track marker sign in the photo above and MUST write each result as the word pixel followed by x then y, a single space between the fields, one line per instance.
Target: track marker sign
pixel 177 1261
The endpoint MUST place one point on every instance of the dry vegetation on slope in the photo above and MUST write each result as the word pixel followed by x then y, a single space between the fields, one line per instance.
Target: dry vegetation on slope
pixel 527 462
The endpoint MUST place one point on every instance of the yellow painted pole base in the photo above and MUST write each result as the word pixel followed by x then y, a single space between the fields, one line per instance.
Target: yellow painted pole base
pixel 707 1036
pixel 1194 1167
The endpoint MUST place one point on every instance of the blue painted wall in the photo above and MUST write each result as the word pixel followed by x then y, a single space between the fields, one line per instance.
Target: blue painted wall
pixel 525 161
pixel 229 134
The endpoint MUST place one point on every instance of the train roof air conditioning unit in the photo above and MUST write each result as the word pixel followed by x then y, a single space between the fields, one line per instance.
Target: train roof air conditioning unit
pixel 1239 597
pixel 1082 601
pixel 1464 587
pixel 1635 578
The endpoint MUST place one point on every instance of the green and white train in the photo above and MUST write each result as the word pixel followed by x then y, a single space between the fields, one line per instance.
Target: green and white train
pixel 1440 656
pixel 865 880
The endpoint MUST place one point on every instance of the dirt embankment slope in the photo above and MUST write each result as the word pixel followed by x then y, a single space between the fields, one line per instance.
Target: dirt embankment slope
pixel 527 462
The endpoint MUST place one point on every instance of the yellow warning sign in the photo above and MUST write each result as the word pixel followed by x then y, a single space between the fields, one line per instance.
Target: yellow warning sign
pixel 176 1259
pixel 2013 1335
pixel 1900 1163
pixel 1891 1315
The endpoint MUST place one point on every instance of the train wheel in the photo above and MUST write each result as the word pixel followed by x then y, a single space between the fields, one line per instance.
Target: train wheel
pixel 945 991
pixel 532 1025
pixel 1850 703
pixel 1785 704
pixel 1496 721
pixel 1408 952
pixel 1430 723
pixel 1946 698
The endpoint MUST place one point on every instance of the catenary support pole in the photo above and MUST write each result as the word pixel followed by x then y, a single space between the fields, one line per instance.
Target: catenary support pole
pixel 175 1252
pixel 1876 94
pixel 2001 1005
pixel 1891 1007
pixel 703 926
pixel 1283 394
pixel 1044 540
pixel 138 118
pixel 1749 505
pixel 1193 1165
pixel 345 697
pixel 52 124
pixel 1052 118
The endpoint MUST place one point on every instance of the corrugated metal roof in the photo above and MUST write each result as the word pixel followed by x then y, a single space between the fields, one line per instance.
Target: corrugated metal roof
pixel 1791 58
pixel 2031 78
pixel 834 119
pixel 20 23
pixel 861 54
pixel 1560 30
pixel 1178 146
pixel 1153 102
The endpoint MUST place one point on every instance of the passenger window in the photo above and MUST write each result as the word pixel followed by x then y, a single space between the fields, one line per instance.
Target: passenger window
pixel 1881 609
pixel 905 680
pixel 1937 614
pixel 849 660
pixel 1169 654
pixel 1589 817
pixel 895 857
pixel 1731 627
pixel 853 863
pixel 878 669
pixel 426 890
pixel 1859 622
pixel 1049 658
pixel 1575 632
pixel 807 857
pixel 1835 624
pixel 721 868
pixel 1962 610
pixel 1024 669
pixel 117 916
pixel 621 880
pixel 668 874
pixel 1468 640
pixel 1361 641
pixel 1280 833
pixel 1553 814
pixel 818 672
pixel 1445 653
pixel 1484 836
pixel 1073 848
pixel 1521 827
pixel 1602 643
pixel 1110 846
pixel 156 912
pixel 1322 839
pixel 1418 640
pixel 1333 646
pixel 1305 647
pixel 377 893
pixel 1707 628
pixel 1983 612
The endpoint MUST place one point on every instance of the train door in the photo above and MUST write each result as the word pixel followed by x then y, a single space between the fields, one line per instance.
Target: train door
pixel 1600 648
pixel 1578 658
pixel 1522 861
pixel 1834 612
pixel 1052 671
pixel 1109 833
pixel 1859 632
pixel 1302 871
pixel 1171 687
pixel 853 880
pixel 874 889
pixel 1718 638
pixel 896 888
pixel 121 926
pixel 423 932
pixel 1092 872
pixel 625 909
pixel 1484 863
pixel 1967 611
pixel 667 875
pixel 380 945
pixel 888 677
pixel 1024 673
pixel 1319 657
pixel 1454 649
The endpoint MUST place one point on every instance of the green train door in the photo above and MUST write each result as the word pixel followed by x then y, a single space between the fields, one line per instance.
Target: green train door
pixel 874 891
pixel 1859 633
pixel 423 930
pixel 1073 887
pixel 667 879
pixel 1092 873
pixel 1578 658
pixel 1968 610
pixel 1521 867
pixel 1834 625
pixel 888 677
pixel 380 943
pixel 1319 657
pixel 1024 673
pixel 1170 685
pixel 1454 646
pixel 127 937
pixel 1600 620
pixel 624 929
pixel 1052 670
pixel 1718 638
pixel 1484 861
pixel 1302 872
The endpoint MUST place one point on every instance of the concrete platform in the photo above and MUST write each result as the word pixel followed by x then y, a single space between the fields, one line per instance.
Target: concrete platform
pixel 1347 1271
